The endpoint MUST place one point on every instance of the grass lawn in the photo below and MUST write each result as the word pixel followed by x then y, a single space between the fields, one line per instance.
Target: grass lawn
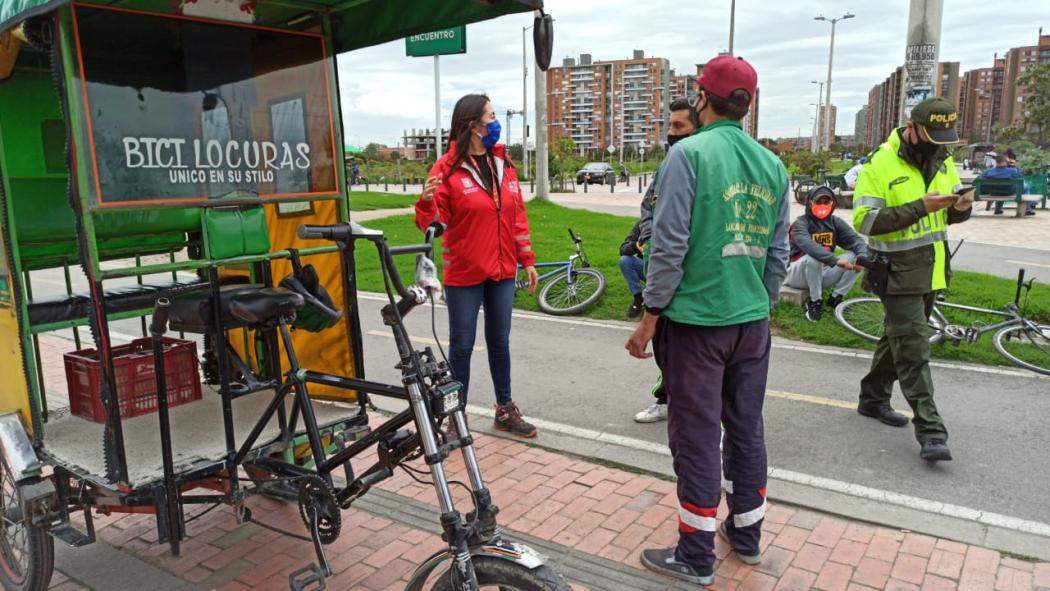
pixel 602 234
pixel 972 289
pixel 369 200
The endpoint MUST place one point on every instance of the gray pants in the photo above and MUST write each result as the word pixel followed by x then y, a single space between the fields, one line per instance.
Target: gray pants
pixel 809 273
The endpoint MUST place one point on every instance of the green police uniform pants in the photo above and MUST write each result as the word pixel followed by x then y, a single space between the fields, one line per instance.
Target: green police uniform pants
pixel 903 355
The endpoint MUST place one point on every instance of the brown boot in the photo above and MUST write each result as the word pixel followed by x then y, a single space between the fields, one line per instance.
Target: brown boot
pixel 508 418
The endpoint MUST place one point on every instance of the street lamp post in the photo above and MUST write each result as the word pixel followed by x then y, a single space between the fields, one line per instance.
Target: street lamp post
pixel 831 56
pixel 732 24
pixel 815 146
pixel 524 102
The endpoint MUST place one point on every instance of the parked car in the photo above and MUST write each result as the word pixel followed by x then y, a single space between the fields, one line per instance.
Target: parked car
pixel 595 173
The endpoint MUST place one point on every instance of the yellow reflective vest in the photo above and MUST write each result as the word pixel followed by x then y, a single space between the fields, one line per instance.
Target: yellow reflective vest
pixel 888 210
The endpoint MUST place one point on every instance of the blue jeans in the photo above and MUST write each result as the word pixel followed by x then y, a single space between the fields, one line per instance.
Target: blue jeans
pixel 631 267
pixel 463 304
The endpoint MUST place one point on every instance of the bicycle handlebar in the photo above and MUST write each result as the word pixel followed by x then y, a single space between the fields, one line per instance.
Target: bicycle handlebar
pixel 347 233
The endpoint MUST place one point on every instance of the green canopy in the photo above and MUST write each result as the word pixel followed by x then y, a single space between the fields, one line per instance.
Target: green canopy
pixel 352 149
pixel 356 23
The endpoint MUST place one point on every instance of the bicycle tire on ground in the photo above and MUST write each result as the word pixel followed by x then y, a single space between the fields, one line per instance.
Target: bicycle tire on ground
pixel 864 318
pixel 32 570
pixel 508 576
pixel 1037 356
pixel 556 297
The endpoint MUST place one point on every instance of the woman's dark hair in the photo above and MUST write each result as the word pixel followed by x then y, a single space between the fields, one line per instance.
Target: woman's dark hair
pixel 465 114
pixel 680 105
pixel 734 107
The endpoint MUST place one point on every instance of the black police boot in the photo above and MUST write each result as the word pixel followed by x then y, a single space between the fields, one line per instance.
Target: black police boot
pixel 935 450
pixel 834 301
pixel 885 414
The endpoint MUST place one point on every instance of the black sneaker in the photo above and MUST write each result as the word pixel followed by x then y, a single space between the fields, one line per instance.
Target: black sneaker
pixel 813 311
pixel 665 563
pixel 508 418
pixel 751 559
pixel 935 450
pixel 634 310
pixel 834 301
pixel 885 414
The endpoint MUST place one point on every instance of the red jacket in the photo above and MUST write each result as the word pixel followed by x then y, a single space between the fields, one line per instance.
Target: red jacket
pixel 480 242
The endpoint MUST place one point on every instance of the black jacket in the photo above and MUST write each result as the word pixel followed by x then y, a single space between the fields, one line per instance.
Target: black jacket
pixel 820 237
pixel 629 248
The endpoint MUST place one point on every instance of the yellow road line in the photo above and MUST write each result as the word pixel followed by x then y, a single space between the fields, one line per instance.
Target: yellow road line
pixel 429 341
pixel 820 400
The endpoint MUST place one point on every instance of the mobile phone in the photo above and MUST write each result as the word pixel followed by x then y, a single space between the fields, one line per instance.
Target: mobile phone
pixel 964 190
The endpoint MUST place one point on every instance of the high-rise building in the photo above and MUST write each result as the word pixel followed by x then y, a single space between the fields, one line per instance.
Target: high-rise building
pixel 948 81
pixel 860 127
pixel 618 103
pixel 1016 62
pixel 682 86
pixel 980 101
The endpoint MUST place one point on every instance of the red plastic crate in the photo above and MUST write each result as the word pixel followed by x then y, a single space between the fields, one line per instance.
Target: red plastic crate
pixel 133 374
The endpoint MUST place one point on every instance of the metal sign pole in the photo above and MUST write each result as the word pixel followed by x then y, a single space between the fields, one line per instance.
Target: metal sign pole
pixel 437 107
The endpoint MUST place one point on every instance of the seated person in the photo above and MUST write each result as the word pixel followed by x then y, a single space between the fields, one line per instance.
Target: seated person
pixel 853 173
pixel 1004 171
pixel 633 267
pixel 813 264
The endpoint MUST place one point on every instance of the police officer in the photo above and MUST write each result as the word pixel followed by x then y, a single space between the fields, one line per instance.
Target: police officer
pixel 904 200
pixel 718 256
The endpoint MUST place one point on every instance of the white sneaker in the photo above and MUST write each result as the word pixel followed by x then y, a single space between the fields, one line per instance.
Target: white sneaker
pixel 655 413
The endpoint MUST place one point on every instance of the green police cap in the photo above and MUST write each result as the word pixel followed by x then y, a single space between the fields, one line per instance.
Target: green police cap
pixel 938 116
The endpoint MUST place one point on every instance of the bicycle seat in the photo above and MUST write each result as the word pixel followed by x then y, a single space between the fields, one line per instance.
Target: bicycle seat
pixel 240 305
pixel 262 305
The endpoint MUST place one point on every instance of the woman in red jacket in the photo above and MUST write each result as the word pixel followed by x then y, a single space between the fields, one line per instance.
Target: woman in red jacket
pixel 473 191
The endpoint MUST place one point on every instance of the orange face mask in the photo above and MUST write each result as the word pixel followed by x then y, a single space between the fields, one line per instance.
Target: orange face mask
pixel 821 211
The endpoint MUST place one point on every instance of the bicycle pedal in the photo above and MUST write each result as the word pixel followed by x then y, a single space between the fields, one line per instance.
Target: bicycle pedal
pixel 308 578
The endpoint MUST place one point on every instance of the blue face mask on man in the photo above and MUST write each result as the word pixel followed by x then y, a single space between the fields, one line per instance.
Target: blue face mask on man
pixel 493 136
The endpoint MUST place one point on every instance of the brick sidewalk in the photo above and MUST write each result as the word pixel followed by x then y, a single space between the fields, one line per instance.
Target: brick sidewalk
pixel 589 508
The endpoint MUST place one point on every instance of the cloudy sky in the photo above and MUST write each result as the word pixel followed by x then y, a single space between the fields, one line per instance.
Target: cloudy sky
pixel 384 92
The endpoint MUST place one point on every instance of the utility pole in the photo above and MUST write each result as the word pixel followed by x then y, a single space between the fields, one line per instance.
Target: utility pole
pixel 921 54
pixel 524 101
pixel 831 57
pixel 815 146
pixel 542 180
pixel 437 107
pixel 732 24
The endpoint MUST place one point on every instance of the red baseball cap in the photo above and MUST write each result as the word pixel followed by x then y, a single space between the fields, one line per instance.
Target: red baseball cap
pixel 725 73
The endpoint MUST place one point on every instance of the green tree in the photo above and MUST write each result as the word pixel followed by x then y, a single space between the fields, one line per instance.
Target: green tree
pixel 1037 107
pixel 372 151
pixel 561 155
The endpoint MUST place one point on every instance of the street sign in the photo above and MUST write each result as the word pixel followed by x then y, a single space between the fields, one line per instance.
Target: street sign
pixel 610 149
pixel 443 42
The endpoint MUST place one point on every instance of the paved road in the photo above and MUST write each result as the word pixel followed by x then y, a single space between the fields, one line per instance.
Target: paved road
pixel 578 374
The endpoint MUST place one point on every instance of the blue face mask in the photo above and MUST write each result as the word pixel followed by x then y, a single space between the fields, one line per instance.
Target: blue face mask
pixel 493 136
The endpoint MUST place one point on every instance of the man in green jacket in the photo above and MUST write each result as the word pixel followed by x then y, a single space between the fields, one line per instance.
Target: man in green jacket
pixel 718 256
pixel 904 201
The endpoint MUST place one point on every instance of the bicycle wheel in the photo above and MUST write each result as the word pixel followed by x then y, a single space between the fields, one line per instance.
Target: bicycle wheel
pixel 1026 345
pixel 504 575
pixel 27 553
pixel 559 298
pixel 865 318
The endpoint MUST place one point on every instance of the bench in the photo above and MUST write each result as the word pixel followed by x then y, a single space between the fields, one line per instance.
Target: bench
pixel 1005 191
